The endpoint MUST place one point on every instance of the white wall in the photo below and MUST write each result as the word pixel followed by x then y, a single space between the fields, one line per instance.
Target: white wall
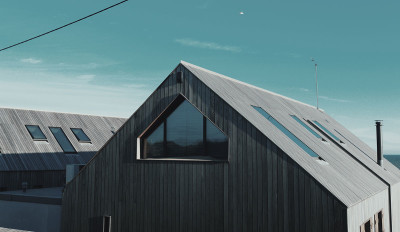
pixel 396 207
pixel 361 212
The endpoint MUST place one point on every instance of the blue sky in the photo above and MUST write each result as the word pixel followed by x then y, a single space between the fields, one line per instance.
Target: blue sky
pixel 110 63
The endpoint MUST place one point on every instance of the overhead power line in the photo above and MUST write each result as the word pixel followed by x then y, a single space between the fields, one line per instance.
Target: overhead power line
pixel 66 25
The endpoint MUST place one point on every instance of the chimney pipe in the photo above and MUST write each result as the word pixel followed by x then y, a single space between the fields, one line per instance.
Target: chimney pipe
pixel 378 124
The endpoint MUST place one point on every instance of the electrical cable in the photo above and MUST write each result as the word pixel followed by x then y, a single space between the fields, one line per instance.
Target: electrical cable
pixel 58 28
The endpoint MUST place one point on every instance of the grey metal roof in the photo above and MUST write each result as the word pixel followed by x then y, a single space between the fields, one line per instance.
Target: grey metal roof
pixel 20 152
pixel 346 177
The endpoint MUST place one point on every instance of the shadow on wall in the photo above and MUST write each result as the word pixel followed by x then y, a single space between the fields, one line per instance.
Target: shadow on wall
pixel 30 216
pixel 38 170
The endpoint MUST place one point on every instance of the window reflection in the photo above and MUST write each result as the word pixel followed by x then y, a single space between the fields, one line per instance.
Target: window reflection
pixel 36 132
pixel 186 133
pixel 62 140
pixel 154 144
pixel 80 135
pixel 216 142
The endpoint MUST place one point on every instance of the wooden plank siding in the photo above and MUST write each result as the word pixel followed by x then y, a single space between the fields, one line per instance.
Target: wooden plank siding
pixel 259 188
pixel 12 180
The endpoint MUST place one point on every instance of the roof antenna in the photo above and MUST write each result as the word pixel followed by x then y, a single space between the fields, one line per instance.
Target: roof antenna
pixel 316 78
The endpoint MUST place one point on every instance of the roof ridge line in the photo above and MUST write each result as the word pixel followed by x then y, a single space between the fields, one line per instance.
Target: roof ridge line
pixel 45 111
pixel 249 85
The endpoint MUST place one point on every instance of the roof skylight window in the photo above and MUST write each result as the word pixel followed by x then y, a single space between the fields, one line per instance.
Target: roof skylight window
pixel 305 126
pixel 35 132
pixel 62 139
pixel 80 135
pixel 327 131
pixel 286 131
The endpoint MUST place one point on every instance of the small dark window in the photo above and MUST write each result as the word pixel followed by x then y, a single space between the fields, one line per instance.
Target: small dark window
pixel 367 226
pixel 35 132
pixel 379 222
pixel 62 139
pixel 100 224
pixel 80 135
pixel 107 224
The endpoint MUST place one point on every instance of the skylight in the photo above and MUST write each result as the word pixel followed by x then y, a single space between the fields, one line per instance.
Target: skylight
pixel 62 139
pixel 80 135
pixel 305 126
pixel 327 131
pixel 286 131
pixel 35 132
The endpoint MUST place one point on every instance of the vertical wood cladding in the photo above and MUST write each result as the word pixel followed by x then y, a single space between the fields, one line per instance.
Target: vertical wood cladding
pixel 260 188
pixel 12 180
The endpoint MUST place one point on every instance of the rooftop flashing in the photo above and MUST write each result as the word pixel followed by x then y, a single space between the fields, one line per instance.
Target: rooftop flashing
pixel 327 131
pixel 307 127
pixel 286 132
pixel 322 162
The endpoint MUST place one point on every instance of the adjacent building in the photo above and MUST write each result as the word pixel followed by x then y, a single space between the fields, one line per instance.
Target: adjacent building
pixel 36 146
pixel 206 152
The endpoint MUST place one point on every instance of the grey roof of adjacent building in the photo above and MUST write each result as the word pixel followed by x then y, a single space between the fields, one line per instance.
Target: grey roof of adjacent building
pixel 20 152
pixel 351 176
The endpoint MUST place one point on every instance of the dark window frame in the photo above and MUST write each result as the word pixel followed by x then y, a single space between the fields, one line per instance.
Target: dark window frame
pixel 161 118
pixel 41 139
pixel 62 131
pixel 77 138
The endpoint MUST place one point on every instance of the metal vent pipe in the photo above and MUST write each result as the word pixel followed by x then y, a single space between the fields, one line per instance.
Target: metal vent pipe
pixel 378 124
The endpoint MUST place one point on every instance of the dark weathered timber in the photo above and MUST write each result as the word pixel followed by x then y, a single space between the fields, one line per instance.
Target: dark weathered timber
pixel 12 180
pixel 259 188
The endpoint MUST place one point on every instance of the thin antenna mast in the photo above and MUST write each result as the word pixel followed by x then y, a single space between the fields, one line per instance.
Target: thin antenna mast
pixel 316 79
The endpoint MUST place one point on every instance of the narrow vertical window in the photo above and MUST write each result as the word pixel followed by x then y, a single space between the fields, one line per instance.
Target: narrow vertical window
pixel 107 224
pixel 35 132
pixel 62 140
pixel 379 222
pixel 367 226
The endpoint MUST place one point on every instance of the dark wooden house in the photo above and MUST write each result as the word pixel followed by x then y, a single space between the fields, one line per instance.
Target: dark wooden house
pixel 36 146
pixel 206 152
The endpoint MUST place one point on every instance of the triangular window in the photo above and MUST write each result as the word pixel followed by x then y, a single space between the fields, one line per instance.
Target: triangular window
pixel 183 132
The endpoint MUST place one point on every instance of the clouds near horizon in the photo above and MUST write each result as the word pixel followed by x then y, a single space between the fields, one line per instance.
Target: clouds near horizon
pixel 207 45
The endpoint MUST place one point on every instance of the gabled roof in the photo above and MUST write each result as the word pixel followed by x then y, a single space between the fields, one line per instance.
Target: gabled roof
pixel 351 176
pixel 20 152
